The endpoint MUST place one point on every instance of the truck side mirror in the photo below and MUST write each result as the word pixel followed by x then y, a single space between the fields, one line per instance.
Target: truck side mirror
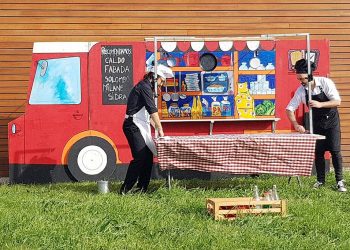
pixel 43 65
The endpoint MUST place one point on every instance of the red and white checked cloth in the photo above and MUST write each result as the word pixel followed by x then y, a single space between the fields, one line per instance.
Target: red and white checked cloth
pixel 281 154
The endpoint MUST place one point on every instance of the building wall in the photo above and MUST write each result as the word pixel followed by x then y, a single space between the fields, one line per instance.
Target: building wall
pixel 23 22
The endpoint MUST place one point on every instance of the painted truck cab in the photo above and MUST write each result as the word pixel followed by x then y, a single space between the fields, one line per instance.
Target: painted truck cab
pixel 72 126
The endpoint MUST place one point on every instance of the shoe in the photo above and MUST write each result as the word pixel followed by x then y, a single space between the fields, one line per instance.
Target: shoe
pixel 123 190
pixel 138 191
pixel 341 186
pixel 318 185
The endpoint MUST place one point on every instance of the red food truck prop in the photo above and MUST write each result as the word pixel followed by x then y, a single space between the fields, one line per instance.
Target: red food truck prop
pixel 72 125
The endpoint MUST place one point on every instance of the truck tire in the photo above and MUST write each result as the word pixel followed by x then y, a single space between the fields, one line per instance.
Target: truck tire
pixel 91 159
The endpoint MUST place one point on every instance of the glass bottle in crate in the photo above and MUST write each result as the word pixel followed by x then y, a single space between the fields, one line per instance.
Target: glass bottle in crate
pixel 274 193
pixel 256 196
pixel 267 197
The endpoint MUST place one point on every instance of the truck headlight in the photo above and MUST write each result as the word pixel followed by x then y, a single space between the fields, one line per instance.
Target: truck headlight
pixel 13 128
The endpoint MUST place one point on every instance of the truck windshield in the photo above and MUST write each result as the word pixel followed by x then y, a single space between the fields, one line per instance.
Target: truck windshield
pixel 60 84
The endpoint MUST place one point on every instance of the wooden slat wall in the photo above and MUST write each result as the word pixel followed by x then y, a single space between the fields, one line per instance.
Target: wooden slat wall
pixel 23 22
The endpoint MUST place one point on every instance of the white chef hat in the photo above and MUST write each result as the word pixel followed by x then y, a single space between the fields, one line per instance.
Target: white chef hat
pixel 163 71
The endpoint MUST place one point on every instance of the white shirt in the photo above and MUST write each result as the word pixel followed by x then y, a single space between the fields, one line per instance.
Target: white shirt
pixel 327 85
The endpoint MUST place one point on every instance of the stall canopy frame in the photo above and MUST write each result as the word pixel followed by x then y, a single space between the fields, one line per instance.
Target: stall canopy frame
pixel 157 39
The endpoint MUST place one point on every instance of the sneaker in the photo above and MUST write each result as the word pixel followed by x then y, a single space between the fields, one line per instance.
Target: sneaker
pixel 123 190
pixel 318 185
pixel 341 186
pixel 138 191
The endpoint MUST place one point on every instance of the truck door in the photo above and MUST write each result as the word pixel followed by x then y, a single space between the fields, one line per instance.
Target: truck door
pixel 57 105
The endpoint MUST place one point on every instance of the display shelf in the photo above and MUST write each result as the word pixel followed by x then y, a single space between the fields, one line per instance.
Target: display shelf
pixel 187 93
pixel 256 72
pixel 212 120
pixel 264 96
pixel 235 73
pixel 265 117
pixel 218 119
pixel 185 68
pixel 196 93
pixel 171 84
pixel 208 119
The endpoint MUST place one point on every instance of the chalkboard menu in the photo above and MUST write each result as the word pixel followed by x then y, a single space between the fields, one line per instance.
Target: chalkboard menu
pixel 117 74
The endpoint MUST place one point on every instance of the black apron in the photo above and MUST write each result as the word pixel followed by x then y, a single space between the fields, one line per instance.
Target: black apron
pixel 325 122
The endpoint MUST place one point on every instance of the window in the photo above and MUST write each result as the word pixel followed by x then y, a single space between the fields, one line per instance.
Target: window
pixel 57 81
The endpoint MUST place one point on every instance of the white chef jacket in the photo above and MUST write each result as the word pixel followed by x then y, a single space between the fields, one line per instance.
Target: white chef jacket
pixel 327 85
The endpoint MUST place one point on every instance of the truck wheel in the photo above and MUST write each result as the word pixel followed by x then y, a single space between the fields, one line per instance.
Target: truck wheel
pixel 91 159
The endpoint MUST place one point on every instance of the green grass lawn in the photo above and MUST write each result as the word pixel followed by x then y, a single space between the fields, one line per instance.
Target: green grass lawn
pixel 75 216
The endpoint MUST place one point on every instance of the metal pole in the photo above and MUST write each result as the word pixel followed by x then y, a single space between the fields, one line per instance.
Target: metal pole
pixel 282 35
pixel 298 179
pixel 169 179
pixel 155 79
pixel 211 125
pixel 155 69
pixel 309 81
pixel 194 39
pixel 203 39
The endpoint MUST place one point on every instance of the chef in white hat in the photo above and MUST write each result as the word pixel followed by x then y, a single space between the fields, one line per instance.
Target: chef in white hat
pixel 140 110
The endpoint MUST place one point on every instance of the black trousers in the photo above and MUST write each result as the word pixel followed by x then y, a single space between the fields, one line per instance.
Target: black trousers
pixel 140 168
pixel 331 144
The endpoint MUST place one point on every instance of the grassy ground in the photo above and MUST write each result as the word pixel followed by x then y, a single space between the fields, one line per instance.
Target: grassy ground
pixel 75 216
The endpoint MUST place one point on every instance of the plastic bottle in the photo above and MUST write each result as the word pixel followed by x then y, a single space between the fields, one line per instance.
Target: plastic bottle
pixel 165 113
pixel 183 86
pixel 185 110
pixel 215 107
pixel 194 108
pixel 174 110
pixel 206 109
pixel 274 193
pixel 199 108
pixel 225 107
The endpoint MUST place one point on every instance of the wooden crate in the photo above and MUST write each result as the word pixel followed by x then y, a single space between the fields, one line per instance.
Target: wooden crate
pixel 231 208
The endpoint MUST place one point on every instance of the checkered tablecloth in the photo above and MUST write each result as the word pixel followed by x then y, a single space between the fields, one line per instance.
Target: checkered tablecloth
pixel 281 154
